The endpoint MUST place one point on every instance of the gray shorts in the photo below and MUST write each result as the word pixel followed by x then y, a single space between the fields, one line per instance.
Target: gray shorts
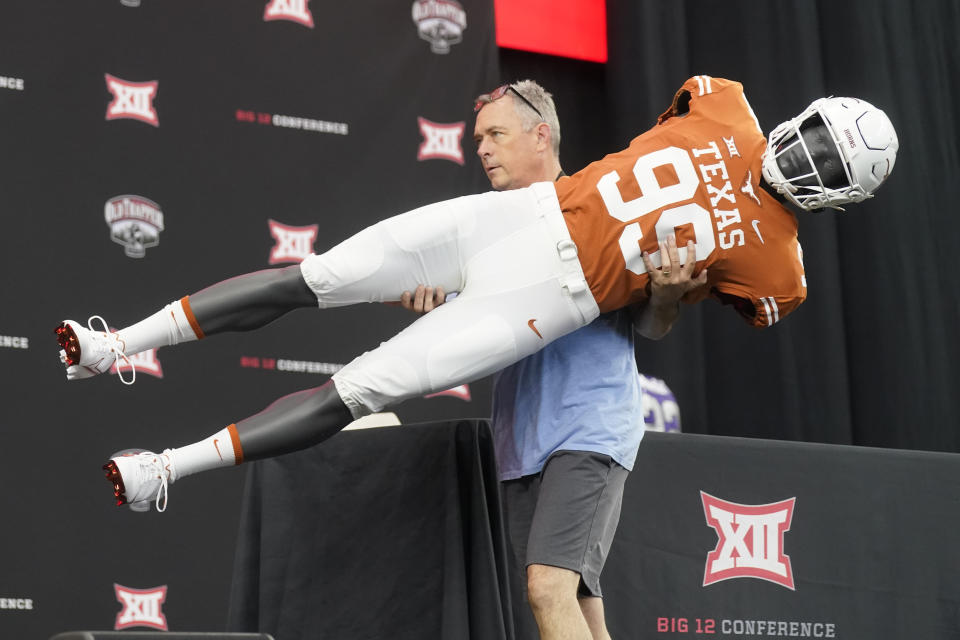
pixel 567 515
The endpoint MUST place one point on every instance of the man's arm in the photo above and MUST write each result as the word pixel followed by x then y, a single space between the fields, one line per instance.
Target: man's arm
pixel 654 318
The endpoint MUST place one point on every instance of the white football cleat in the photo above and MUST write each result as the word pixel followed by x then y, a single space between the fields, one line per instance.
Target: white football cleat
pixel 141 477
pixel 87 352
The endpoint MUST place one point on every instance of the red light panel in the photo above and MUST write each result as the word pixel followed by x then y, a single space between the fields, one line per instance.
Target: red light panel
pixel 568 28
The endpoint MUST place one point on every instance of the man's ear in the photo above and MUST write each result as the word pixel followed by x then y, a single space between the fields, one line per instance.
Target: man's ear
pixel 544 136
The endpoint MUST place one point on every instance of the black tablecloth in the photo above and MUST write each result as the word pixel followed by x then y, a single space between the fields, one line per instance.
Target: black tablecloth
pixel 377 533
pixel 395 533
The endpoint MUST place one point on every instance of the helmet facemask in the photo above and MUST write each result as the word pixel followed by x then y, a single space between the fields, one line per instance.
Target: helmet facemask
pixel 813 160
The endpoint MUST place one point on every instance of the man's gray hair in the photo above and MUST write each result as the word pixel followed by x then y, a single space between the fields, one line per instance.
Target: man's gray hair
pixel 539 98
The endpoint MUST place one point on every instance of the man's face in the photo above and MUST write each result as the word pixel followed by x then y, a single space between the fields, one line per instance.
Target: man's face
pixel 822 149
pixel 509 155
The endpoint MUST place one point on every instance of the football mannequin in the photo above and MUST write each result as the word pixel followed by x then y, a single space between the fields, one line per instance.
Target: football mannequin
pixel 558 254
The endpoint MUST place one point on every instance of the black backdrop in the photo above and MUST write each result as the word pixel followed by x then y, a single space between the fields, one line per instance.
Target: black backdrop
pixel 218 179
pixel 871 358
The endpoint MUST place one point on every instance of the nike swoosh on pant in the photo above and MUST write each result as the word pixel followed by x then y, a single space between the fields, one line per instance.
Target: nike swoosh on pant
pixel 530 324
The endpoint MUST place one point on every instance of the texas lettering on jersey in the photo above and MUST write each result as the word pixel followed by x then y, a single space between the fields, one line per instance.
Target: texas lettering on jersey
pixel 695 174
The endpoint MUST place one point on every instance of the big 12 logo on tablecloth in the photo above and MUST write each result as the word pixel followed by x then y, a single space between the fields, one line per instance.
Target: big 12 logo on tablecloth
pixel 750 541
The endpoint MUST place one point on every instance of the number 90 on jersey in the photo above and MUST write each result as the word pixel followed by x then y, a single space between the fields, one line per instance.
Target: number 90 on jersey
pixel 667 203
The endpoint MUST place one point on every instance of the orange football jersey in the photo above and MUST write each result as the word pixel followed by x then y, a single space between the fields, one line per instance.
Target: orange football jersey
pixel 697 174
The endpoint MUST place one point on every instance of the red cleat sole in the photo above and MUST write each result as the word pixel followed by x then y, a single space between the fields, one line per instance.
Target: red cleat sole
pixel 114 477
pixel 67 338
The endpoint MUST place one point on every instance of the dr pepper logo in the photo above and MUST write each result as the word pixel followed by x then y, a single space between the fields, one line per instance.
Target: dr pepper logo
pixel 750 541
pixel 135 222
pixel 439 22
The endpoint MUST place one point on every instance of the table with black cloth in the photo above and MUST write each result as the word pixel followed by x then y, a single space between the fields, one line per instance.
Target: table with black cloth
pixel 390 532
pixel 395 533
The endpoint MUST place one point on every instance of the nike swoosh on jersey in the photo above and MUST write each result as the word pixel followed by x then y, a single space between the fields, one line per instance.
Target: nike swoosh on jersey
pixel 217 447
pixel 530 324
pixel 756 229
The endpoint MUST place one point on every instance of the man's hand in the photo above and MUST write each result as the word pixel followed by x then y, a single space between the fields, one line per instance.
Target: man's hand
pixel 667 286
pixel 673 280
pixel 423 300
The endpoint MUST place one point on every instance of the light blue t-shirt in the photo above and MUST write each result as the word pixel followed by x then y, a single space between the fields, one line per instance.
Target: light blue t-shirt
pixel 581 392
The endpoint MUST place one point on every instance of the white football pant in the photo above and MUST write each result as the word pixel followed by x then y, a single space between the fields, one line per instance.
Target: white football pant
pixel 510 257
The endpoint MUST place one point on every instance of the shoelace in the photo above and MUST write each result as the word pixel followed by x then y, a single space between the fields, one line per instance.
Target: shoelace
pixel 117 353
pixel 164 485
pixel 165 490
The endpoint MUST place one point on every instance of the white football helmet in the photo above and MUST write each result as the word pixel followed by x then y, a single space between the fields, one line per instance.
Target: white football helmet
pixel 864 138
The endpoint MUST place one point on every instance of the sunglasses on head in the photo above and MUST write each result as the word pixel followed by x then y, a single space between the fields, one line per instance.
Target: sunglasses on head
pixel 501 91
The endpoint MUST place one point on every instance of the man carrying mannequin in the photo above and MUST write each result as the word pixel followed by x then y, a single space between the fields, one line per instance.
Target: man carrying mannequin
pixel 567 420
